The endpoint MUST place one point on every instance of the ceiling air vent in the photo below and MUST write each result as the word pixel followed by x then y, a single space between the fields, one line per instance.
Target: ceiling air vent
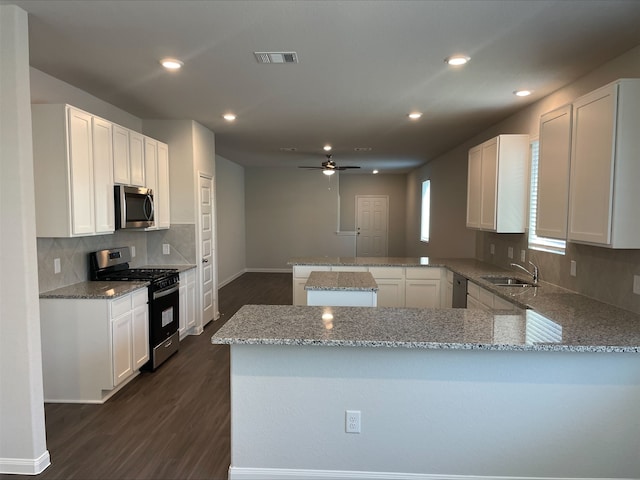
pixel 276 57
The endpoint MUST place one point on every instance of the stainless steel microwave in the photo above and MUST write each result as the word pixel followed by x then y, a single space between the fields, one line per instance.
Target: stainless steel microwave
pixel 133 207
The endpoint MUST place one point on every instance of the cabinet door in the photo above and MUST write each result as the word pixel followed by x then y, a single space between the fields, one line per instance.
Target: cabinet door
pixel 474 187
pixel 182 310
pixel 299 293
pixel 103 176
pixel 473 304
pixel 81 172
pixel 121 162
pixel 489 184
pixel 140 332
pixel 162 204
pixel 191 301
pixel 422 293
pixel 390 292
pixel 553 173
pixel 136 159
pixel 122 336
pixel 592 167
pixel 151 171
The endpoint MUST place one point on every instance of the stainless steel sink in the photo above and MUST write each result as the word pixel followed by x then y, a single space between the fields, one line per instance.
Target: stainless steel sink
pixel 509 282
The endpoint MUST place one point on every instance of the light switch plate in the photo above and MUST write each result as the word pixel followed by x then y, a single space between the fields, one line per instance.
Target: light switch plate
pixel 492 249
pixel 166 249
pixel 523 255
pixel 510 252
pixel 56 265
pixel 574 267
pixel 133 251
pixel 636 284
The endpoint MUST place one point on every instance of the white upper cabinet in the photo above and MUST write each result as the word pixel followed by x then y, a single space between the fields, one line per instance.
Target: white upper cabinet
pixel 497 184
pixel 156 166
pixel 103 175
pixel 136 159
pixel 605 167
pixel 553 173
pixel 121 156
pixel 73 163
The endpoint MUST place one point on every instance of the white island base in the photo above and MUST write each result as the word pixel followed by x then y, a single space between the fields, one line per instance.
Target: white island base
pixel 433 414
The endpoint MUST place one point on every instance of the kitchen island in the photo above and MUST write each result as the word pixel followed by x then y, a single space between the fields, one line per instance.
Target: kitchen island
pixel 441 393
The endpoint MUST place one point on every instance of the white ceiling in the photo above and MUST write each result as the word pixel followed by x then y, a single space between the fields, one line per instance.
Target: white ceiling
pixel 363 65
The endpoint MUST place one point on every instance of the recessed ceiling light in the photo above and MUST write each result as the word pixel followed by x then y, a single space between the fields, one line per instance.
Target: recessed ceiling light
pixel 171 63
pixel 229 117
pixel 375 172
pixel 523 93
pixel 415 115
pixel 327 148
pixel 457 60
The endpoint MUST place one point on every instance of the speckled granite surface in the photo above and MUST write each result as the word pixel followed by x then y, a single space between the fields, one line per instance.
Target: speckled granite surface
pixel 95 290
pixel 421 328
pixel 344 281
pixel 555 320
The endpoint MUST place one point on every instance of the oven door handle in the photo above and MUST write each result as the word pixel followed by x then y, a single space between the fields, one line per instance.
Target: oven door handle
pixel 164 293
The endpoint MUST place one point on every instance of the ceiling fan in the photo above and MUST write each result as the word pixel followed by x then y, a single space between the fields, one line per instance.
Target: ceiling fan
pixel 329 167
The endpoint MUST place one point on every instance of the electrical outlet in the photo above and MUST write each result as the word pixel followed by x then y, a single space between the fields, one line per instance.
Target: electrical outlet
pixel 573 268
pixel 56 265
pixel 523 255
pixel 492 249
pixel 636 284
pixel 133 251
pixel 166 249
pixel 352 421
pixel 510 252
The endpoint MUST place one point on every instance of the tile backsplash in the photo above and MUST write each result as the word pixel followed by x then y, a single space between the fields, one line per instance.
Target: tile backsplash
pixel 73 252
pixel 601 273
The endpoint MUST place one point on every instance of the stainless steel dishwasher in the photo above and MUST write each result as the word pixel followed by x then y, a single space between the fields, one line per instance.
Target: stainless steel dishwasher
pixel 459 291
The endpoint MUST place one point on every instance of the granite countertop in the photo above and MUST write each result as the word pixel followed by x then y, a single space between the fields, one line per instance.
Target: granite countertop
pixel 180 267
pixel 570 321
pixel 95 290
pixel 344 281
pixel 444 328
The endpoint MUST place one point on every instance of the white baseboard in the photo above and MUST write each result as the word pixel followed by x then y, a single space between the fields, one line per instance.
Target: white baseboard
pixel 231 278
pixel 270 270
pixel 25 466
pixel 238 473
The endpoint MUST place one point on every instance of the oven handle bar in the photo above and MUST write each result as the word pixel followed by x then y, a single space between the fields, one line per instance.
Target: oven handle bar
pixel 164 293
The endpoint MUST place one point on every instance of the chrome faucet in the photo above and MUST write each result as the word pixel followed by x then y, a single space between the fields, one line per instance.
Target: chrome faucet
pixel 534 274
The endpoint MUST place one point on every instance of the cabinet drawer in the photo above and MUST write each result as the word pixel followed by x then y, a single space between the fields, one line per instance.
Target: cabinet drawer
pixel 305 271
pixel 387 272
pixel 120 306
pixel 423 273
pixel 141 297
pixel 347 268
pixel 486 298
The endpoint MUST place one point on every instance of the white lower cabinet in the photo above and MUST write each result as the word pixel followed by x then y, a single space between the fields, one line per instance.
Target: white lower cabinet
pixel 187 302
pixel 481 299
pixel 391 285
pixel 92 347
pixel 417 287
pixel 422 287
pixel 447 299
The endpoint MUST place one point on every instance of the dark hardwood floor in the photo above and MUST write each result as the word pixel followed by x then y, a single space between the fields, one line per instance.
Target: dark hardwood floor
pixel 170 424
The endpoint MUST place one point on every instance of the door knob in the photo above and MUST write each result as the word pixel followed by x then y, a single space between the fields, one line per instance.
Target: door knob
pixel 204 260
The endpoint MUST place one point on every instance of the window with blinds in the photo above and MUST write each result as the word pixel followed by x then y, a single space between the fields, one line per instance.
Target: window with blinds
pixel 535 242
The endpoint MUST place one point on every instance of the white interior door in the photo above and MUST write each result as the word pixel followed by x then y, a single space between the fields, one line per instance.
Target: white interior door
pixel 372 223
pixel 208 298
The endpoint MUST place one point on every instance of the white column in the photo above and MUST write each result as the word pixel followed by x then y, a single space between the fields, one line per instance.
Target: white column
pixel 23 446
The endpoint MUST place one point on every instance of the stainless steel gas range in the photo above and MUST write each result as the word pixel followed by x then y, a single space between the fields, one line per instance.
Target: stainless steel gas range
pixel 164 340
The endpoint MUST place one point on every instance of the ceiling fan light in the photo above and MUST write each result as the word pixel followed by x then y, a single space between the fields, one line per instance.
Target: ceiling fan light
pixel 171 63
pixel 328 171
pixel 522 93
pixel 327 148
pixel 415 115
pixel 457 60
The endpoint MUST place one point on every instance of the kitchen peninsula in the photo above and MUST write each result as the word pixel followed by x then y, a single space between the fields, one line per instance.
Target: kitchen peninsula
pixel 440 392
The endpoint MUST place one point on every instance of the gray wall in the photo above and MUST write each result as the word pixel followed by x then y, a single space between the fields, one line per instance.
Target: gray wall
pixel 22 425
pixel 290 213
pixel 230 203
pixel 392 186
